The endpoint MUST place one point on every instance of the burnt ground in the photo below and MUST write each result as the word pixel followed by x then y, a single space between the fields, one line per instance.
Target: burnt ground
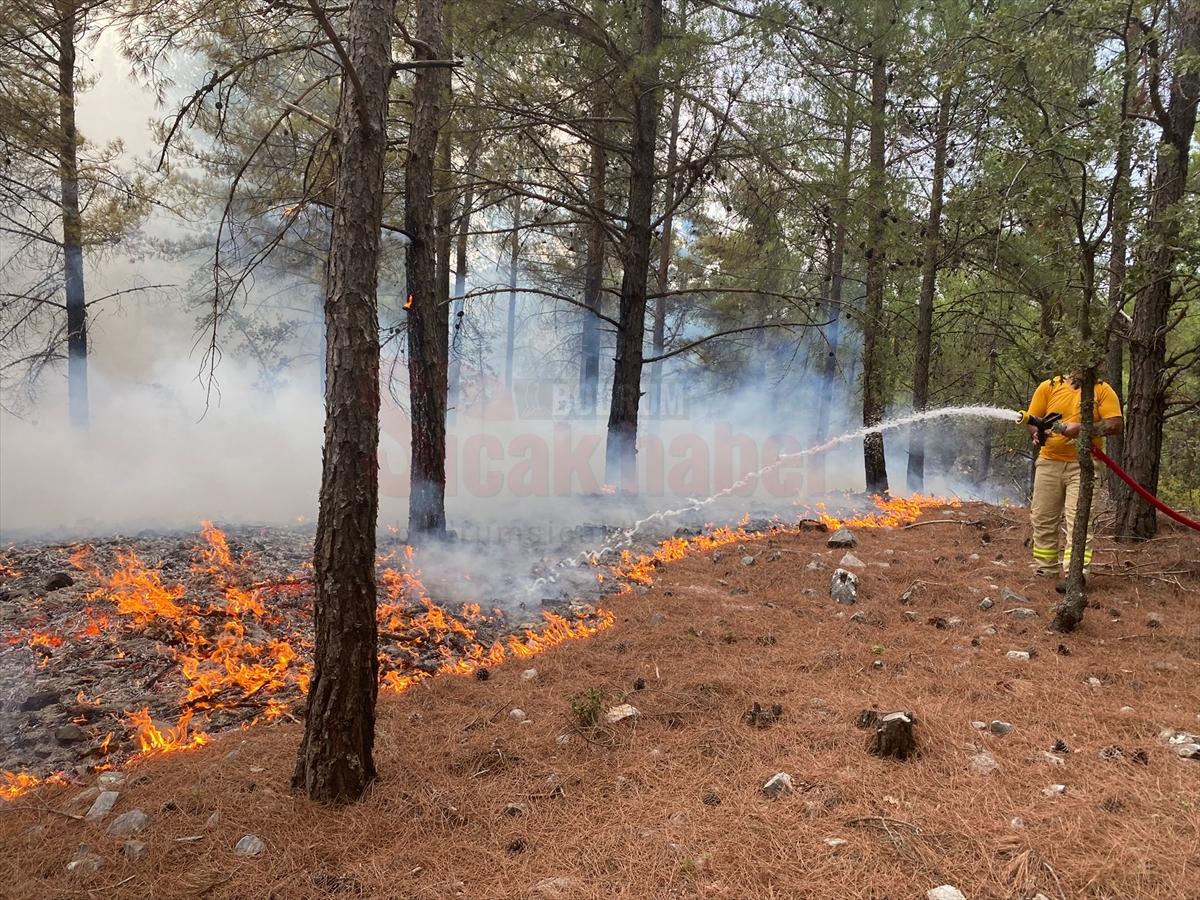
pixel 473 803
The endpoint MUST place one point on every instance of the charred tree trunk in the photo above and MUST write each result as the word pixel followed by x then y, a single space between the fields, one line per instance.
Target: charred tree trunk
pixel 510 340
pixel 875 464
pixel 929 271
pixel 335 761
pixel 1146 409
pixel 72 223
pixel 666 244
pixel 620 450
pixel 428 319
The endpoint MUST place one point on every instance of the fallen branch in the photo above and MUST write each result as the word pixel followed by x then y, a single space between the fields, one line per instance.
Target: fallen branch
pixel 940 522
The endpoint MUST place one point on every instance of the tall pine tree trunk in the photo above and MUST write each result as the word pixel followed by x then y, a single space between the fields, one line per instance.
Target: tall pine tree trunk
pixel 875 464
pixel 929 270
pixel 620 450
pixel 428 319
pixel 72 223
pixel 593 272
pixel 1145 411
pixel 335 761
pixel 666 244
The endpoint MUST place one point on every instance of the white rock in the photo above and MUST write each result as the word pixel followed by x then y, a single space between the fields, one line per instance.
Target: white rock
pixel 778 785
pixel 1094 681
pixel 517 715
pixel 85 862
pixel 986 603
pixel 529 674
pixel 620 713
pixel 128 823
pixel 979 726
pixel 1016 822
pixel 1127 710
pixel 945 892
pixel 1054 790
pixel 102 806
pixel 984 763
pixel 250 845
pixel 834 843
pixel 1021 612
pixel 109 780
pixel 1188 751
pixel 747 560
pixel 1052 758
pixel 1018 655
pixel 852 561
pixel 214 820
pixel 843 587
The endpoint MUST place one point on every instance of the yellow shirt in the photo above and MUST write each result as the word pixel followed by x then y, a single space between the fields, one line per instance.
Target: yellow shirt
pixel 1057 395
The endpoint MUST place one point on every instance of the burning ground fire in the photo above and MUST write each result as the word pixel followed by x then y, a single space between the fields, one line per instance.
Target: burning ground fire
pixel 212 648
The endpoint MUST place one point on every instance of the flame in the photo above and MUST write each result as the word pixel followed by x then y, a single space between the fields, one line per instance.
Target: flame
pixel 151 740
pixel 14 784
pixel 893 512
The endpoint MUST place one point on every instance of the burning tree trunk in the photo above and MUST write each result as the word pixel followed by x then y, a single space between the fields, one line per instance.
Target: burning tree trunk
pixel 620 450
pixel 428 320
pixel 335 762
pixel 72 222
pixel 929 270
pixel 875 464
pixel 1146 410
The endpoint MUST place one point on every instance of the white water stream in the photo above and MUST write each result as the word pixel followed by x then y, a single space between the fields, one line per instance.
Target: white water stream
pixel 625 538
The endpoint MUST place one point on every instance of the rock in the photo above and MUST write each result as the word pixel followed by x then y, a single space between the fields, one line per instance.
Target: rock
pixel 986 603
pixel 778 785
pixel 214 820
pixel 1161 665
pixel 774 556
pixel 517 715
pixel 815 565
pixel 127 823
pixel 998 727
pixel 1012 597
pixel 58 581
pixel 910 616
pixel 843 587
pixel 1093 681
pixel 1016 822
pixel 102 806
pixel 894 736
pixel 747 560
pixel 979 726
pixel 1018 655
pixel 134 850
pixel 620 713
pixel 843 537
pixel 108 780
pixel 1047 757
pixel 1127 710
pixel 984 763
pixel 69 734
pixel 1021 612
pixel 945 892
pixel 852 561
pixel 835 843
pixel 953 622
pixel 514 809
pixel 250 845
pixel 1054 790
pixel 989 630
pixel 877 664
pixel 85 862
pixel 1188 751
pixel 529 674
pixel 562 887
pixel 39 700
pixel 859 618
pixel 1153 620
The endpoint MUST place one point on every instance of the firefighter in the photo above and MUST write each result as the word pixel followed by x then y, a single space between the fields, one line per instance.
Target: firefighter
pixel 1056 473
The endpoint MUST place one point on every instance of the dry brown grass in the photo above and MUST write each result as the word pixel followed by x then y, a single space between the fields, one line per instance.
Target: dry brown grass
pixel 632 821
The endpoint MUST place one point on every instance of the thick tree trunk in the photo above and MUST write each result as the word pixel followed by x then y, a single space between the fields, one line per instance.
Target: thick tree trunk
pixel 1069 611
pixel 1145 411
pixel 929 271
pixel 666 244
pixel 510 340
pixel 335 762
pixel 428 319
pixel 72 245
pixel 875 464
pixel 620 450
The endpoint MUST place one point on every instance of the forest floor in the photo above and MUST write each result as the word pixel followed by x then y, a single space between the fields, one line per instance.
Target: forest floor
pixel 475 801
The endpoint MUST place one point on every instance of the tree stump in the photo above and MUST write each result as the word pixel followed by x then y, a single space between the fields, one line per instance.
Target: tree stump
pixel 894 736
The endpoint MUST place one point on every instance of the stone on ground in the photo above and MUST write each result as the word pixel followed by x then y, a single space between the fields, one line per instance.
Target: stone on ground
pixel 843 537
pixel 128 823
pixel 984 763
pixel 102 806
pixel 620 713
pixel 529 674
pixel 250 845
pixel 852 561
pixel 843 587
pixel 945 892
pixel 778 785
pixel 134 850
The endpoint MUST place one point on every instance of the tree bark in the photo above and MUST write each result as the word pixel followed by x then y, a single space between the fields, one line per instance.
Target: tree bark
pixel 593 277
pixel 666 243
pixel 1069 611
pixel 929 271
pixel 72 223
pixel 510 340
pixel 620 450
pixel 875 464
pixel 335 758
pixel 1146 409
pixel 428 319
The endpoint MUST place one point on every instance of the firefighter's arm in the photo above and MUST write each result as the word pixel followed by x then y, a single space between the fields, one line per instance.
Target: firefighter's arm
pixel 1037 407
pixel 1108 409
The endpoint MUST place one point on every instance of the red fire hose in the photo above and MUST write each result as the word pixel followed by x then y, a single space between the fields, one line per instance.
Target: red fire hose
pixel 1145 494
